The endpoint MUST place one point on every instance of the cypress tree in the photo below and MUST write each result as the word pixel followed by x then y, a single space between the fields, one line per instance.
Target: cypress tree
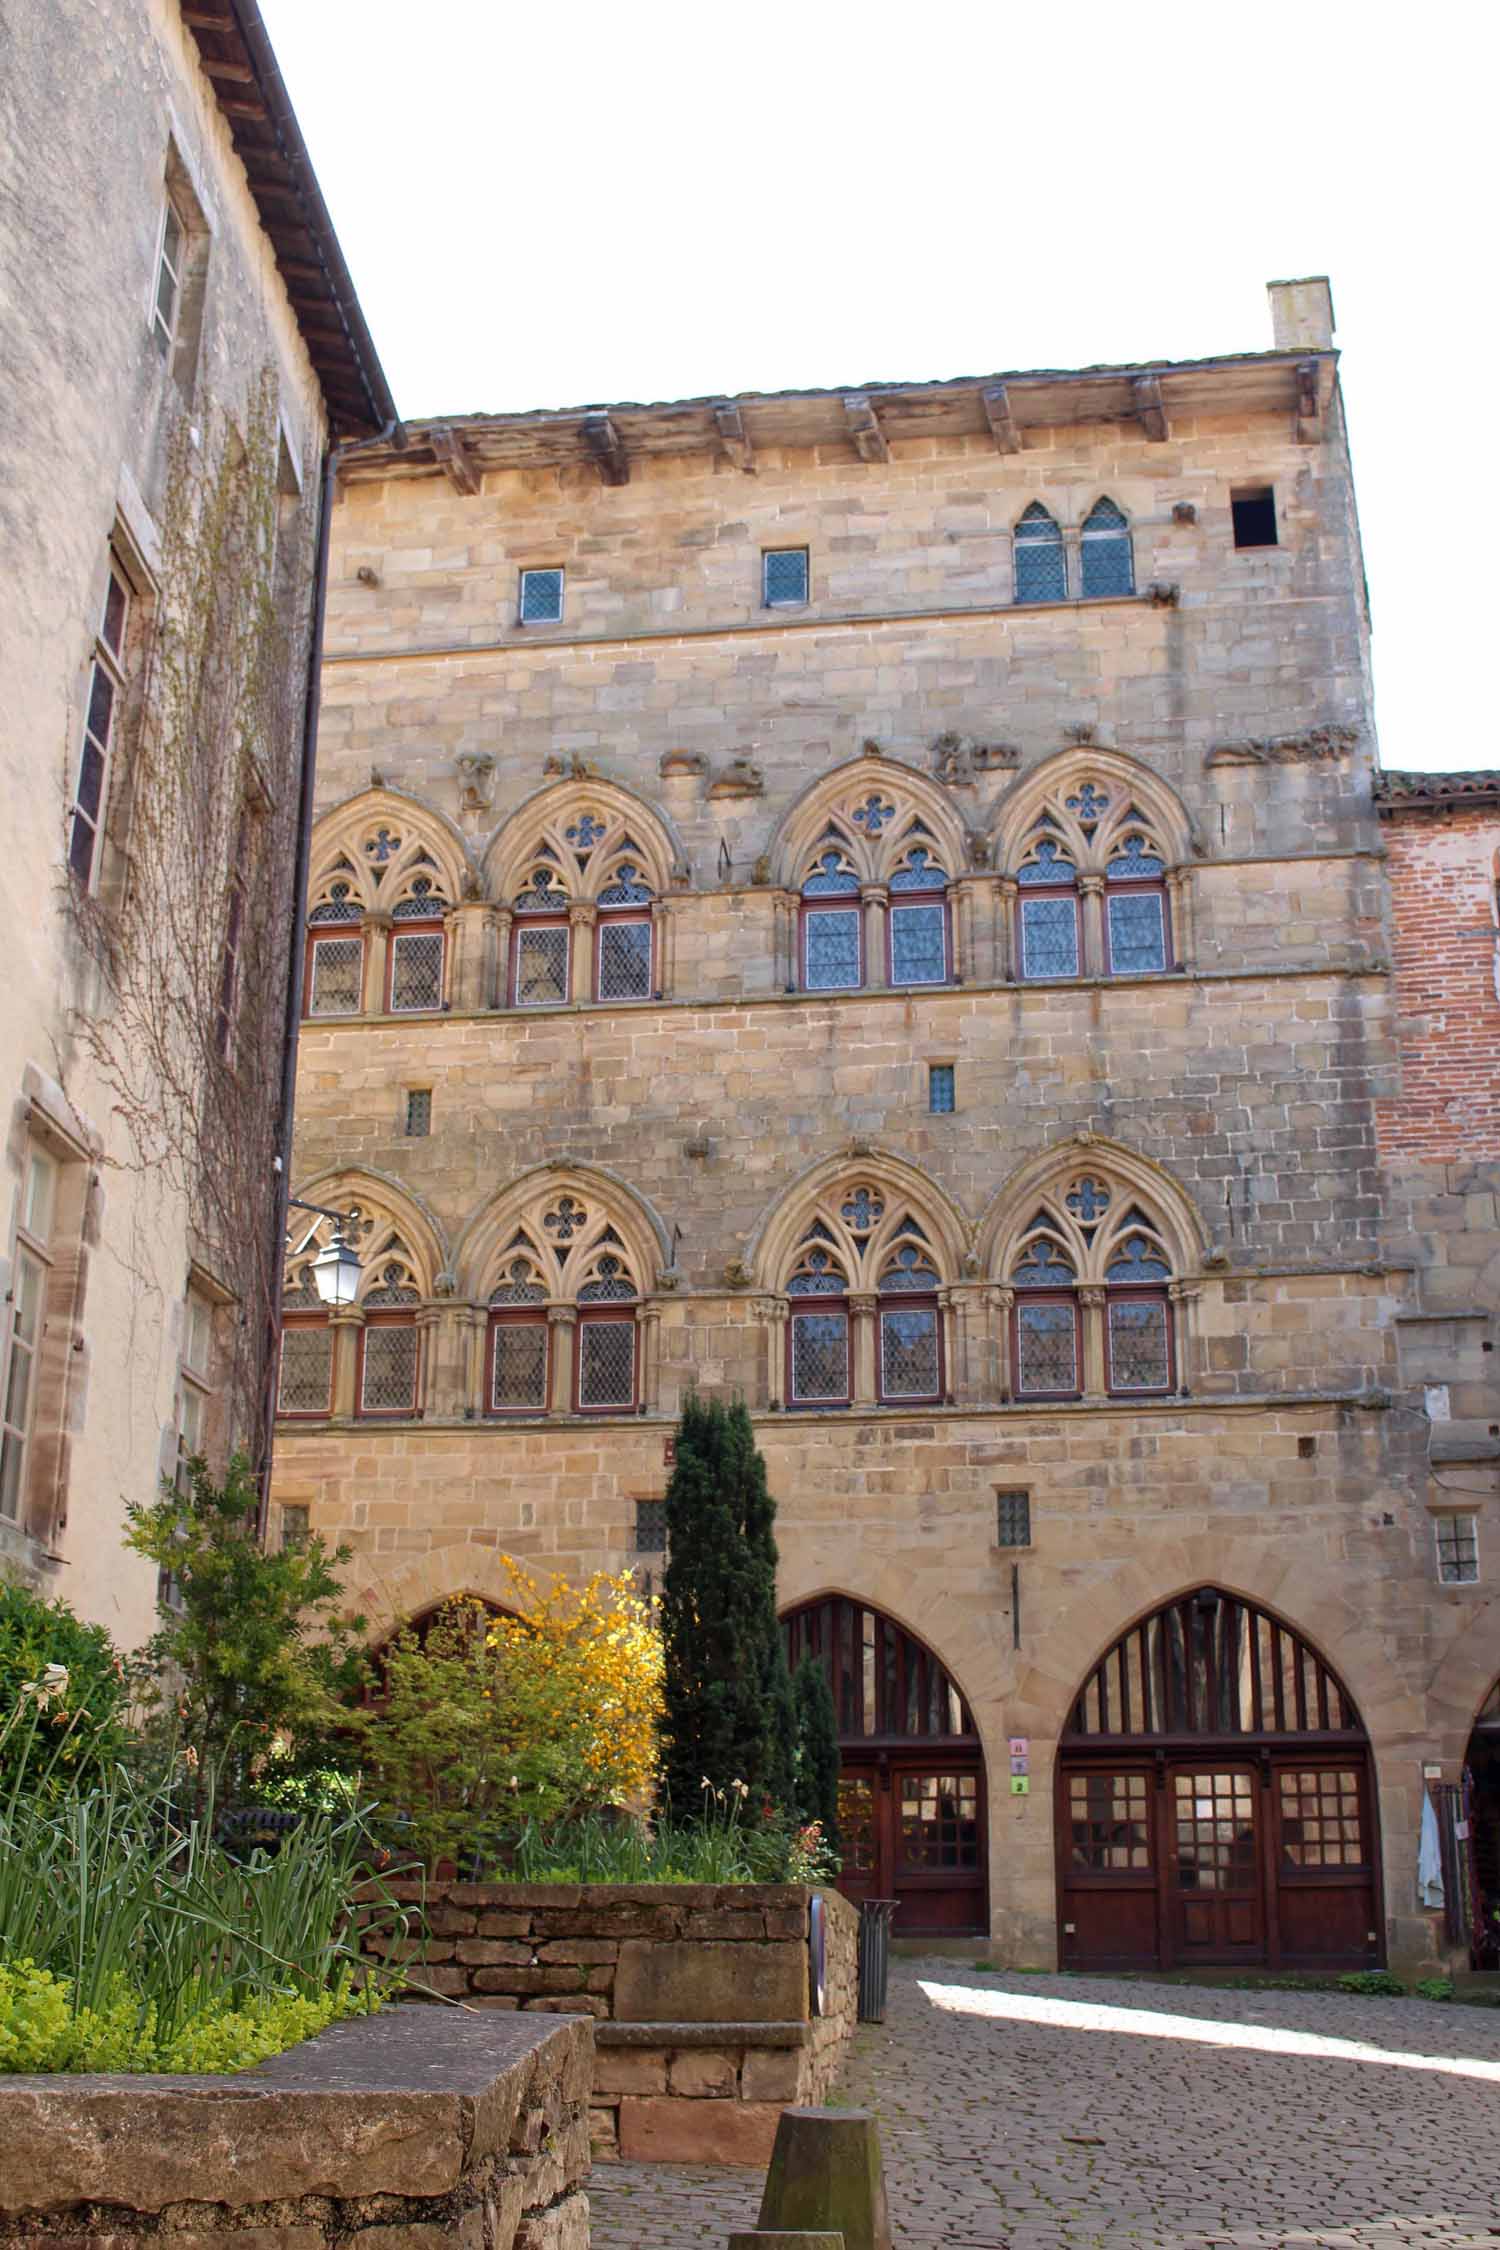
pixel 817 1748
pixel 729 1708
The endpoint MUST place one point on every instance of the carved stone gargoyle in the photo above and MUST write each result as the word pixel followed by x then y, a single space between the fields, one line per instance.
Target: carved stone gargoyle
pixel 476 774
pixel 737 1274
pixel 682 762
pixel 740 778
pixel 958 759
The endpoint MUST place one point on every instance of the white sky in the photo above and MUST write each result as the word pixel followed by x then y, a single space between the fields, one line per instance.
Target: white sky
pixel 547 206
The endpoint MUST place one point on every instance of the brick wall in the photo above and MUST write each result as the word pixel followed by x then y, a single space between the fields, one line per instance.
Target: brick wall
pixel 1447 958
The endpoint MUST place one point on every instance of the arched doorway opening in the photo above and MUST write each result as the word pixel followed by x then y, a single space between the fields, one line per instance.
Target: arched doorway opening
pixel 912 1812
pixel 1477 1870
pixel 470 1613
pixel 1215 1802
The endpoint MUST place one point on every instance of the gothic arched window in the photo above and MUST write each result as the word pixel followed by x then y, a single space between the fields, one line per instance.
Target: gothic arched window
pixel 564 1253
pixel 1047 906
pixel 414 969
pixel 1092 1304
pixel 1136 928
pixel 818 1327
pixel 623 938
pixel 389 1342
pixel 864 1318
pixel 1041 571
pixel 832 935
pixel 919 939
pixel 334 976
pixel 540 948
pixel 1108 566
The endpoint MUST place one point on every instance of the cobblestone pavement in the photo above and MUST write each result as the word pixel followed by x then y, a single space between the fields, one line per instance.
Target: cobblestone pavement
pixel 1033 2113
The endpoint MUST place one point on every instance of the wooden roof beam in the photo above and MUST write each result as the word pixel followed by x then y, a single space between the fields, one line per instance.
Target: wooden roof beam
pixel 996 403
pixel 865 433
pixel 1309 408
pixel 1150 408
pixel 731 428
pixel 457 461
pixel 603 442
pixel 237 73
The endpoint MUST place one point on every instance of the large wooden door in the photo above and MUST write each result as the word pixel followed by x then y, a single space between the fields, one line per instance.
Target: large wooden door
pixel 1214 1801
pixel 912 1807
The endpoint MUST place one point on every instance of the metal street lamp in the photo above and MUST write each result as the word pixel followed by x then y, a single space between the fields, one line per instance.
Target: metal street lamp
pixel 336 1268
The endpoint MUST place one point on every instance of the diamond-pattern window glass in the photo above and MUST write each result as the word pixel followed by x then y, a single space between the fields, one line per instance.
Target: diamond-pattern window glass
pixel 340 906
pixel 1041 571
pixel 544 892
pixel 919 944
pixel 785 575
pixel 1140 1357
pixel 336 971
pixel 830 939
pixel 1458 1550
pixel 909 1352
pixel 941 1089
pixel 418 1112
pixel 1137 860
pixel 820 1357
pixel 1109 1821
pixel 817 1276
pixel 609 1279
pixel 939 1821
pixel 518 1367
pixel 388 1368
pixel 606 1363
pixel 1215 1819
pixel 1320 1818
pixel 1137 933
pixel 306 1369
pixel 858 1838
pixel 541 975
pixel 830 873
pixel 416 970
pixel 1137 1259
pixel 541 597
pixel 624 960
pixel 522 1285
pixel 1043 1265
pixel 1013 1519
pixel 651 1527
pixel 909 1268
pixel 626 887
pixel 1046 1348
pixel 1049 937
pixel 1107 564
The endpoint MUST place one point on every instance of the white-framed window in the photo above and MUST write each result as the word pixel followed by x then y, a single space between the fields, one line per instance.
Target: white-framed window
pixel 171 272
pixel 194 1383
pixel 541 601
pixel 784 577
pixel 106 695
pixel 1457 1549
pixel 28 1309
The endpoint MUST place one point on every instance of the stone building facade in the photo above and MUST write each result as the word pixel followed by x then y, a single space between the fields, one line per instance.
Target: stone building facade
pixel 873 902
pixel 181 349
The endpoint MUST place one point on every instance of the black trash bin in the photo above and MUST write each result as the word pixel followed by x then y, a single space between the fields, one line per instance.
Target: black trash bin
pixel 874 1957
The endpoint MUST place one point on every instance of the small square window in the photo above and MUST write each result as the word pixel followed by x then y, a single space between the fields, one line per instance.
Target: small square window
pixel 651 1527
pixel 296 1528
pixel 1013 1519
pixel 1457 1550
pixel 1254 513
pixel 418 1112
pixel 784 577
pixel 541 597
pixel 941 1091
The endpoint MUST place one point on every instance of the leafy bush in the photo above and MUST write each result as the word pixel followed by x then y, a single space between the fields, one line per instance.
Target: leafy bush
pixel 73 1676
pixel 41 2030
pixel 1433 1988
pixel 1373 1984
pixel 721 1846
pixel 490 1726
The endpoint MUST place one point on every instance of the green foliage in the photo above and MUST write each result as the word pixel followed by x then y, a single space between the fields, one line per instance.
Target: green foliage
pixel 1373 1984
pixel 817 1749
pixel 41 2030
pixel 1433 1988
pixel 256 1654
pixel 729 1711
pixel 67 1729
pixel 722 1846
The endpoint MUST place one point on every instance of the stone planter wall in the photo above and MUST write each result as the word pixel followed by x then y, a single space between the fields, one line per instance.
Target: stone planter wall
pixel 700 1993
pixel 402 2131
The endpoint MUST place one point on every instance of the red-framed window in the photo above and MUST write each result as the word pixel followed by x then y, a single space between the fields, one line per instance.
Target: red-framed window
pixel 305 1378
pixel 390 1355
pixel 1047 1344
pixel 518 1371
pixel 416 955
pixel 1049 926
pixel 624 957
pixel 919 923
pixel 333 981
pixel 830 929
pixel 1137 921
pixel 1138 1347
pixel 908 1329
pixel 818 1353
pixel 541 954
pixel 606 1366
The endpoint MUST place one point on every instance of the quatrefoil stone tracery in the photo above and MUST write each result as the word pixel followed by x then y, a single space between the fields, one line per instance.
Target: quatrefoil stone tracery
pixel 874 814
pixel 1090 803
pixel 565 1218
pixel 382 846
pixel 585 832
pixel 864 1210
pixel 1088 1200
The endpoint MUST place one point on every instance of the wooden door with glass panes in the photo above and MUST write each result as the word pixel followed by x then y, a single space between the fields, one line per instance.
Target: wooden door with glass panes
pixel 1214 1883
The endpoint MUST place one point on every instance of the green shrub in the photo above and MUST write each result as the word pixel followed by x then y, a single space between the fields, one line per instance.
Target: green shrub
pixel 48 1737
pixel 1373 1984
pixel 1433 1988
pixel 41 2031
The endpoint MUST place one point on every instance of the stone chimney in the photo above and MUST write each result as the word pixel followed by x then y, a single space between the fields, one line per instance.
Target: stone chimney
pixel 1302 314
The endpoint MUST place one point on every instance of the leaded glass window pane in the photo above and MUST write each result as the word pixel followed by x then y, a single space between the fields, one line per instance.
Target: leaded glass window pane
pixel 336 966
pixel 940 1089
pixel 1458 1550
pixel 624 960
pixel 820 1356
pixel 306 1370
pixel 919 944
pixel 909 1352
pixel 518 1365
pixel 541 597
pixel 651 1527
pixel 606 1363
pixel 831 950
pixel 830 872
pixel 1043 1265
pixel 1139 1354
pixel 918 871
pixel 785 576
pixel 1041 571
pixel 1046 1348
pixel 1049 937
pixel 1107 564
pixel 1137 932
pixel 626 887
pixel 388 1378
pixel 416 970
pixel 541 967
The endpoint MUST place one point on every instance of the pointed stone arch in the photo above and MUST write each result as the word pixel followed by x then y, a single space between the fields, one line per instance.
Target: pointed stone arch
pixel 906 1187
pixel 561 1250
pixel 1137 799
pixel 382 838
pixel 1043 1182
pixel 834 803
pixel 609 824
pixel 388 1213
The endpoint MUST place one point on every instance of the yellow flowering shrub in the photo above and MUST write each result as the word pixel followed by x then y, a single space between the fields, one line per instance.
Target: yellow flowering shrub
pixel 599 1645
